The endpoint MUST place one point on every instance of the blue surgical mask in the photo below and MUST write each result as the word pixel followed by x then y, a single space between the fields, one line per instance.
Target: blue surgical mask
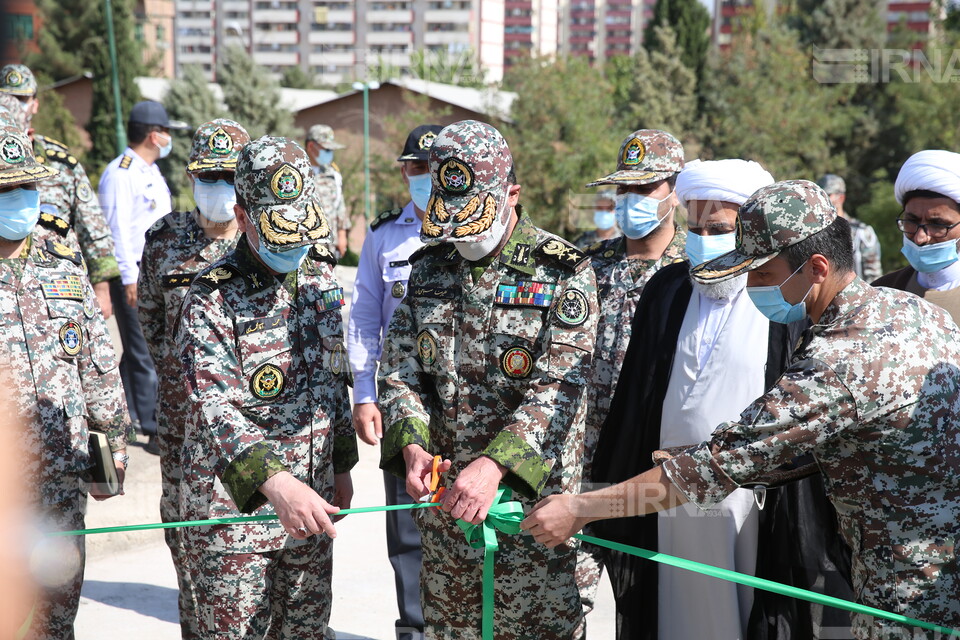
pixel 637 215
pixel 167 148
pixel 769 301
pixel 603 220
pixel 324 157
pixel 420 187
pixel 283 261
pixel 930 257
pixel 702 249
pixel 215 200
pixel 19 212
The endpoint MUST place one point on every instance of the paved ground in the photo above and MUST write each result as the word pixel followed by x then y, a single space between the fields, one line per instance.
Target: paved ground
pixel 130 586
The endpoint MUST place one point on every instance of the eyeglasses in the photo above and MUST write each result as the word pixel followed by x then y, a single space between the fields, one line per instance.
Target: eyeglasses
pixel 933 230
pixel 210 178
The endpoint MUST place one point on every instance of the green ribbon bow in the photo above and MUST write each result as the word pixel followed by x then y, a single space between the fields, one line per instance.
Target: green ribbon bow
pixel 504 515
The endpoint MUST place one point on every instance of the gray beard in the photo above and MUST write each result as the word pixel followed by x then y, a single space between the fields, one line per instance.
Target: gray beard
pixel 726 290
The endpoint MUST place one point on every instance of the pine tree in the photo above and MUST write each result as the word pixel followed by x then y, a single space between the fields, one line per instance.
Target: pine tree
pixel 841 24
pixel 690 22
pixel 252 96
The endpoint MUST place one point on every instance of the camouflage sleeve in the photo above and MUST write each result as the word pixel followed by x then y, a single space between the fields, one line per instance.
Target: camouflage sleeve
pixel 100 379
pixel 870 254
pixel 343 214
pixel 150 303
pixel 553 408
pixel 213 376
pixel 808 406
pixel 345 453
pixel 401 393
pixel 96 243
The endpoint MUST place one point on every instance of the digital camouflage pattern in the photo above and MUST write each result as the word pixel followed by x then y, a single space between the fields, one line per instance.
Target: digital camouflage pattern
pixel 469 167
pixel 13 108
pixel 216 146
pixel 176 250
pixel 645 156
pixel 329 185
pixel 17 80
pixel 497 366
pixel 273 180
pixel 62 371
pixel 875 396
pixel 866 250
pixel 73 211
pixel 777 216
pixel 323 135
pixel 266 374
pixel 18 163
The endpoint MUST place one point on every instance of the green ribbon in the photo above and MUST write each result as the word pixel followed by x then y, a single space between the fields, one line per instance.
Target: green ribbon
pixel 766 585
pixel 504 515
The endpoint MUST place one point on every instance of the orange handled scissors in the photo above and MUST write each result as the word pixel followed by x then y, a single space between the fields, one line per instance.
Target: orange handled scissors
pixel 436 491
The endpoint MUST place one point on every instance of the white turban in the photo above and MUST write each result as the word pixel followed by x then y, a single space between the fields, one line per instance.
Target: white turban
pixel 930 170
pixel 721 180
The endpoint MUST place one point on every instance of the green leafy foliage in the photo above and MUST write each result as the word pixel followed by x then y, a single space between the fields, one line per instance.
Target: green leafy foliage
pixel 252 96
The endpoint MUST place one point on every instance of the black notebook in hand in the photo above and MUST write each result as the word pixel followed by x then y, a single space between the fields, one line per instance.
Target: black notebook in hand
pixel 105 480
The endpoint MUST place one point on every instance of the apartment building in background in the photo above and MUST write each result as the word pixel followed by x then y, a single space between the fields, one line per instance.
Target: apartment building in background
pixel 530 27
pixel 336 41
pixel 600 30
pixel 153 30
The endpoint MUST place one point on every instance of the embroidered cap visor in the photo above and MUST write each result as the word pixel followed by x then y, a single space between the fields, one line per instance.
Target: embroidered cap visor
pixel 470 165
pixel 774 218
pixel 216 146
pixel 17 163
pixel 645 156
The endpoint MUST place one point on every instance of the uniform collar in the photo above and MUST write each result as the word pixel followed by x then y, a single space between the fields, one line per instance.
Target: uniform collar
pixel 850 299
pixel 408 215
pixel 518 252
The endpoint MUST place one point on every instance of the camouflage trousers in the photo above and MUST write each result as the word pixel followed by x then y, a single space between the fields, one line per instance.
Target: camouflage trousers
pixel 60 598
pixel 171 473
pixel 535 591
pixel 589 571
pixel 277 595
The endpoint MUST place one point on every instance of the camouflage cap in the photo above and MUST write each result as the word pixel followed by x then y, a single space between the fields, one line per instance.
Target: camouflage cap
pixel 772 219
pixel 323 136
pixel 832 183
pixel 646 155
pixel 216 146
pixel 18 80
pixel 9 103
pixel 470 163
pixel 273 181
pixel 17 162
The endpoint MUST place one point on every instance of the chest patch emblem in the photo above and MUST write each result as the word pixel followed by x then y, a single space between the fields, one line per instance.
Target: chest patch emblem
pixel 516 362
pixel 336 359
pixel 398 290
pixel 267 382
pixel 572 309
pixel 426 348
pixel 71 338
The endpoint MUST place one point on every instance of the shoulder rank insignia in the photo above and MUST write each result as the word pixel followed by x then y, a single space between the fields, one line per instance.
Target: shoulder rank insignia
pixel 61 156
pixel 260 324
pixel 331 299
pixel 156 227
pixel 267 382
pixel 61 250
pixel 177 280
pixel 441 293
pixel 217 276
pixel 322 253
pixel 526 294
pixel 48 141
pixel 562 251
pixel 69 287
pixel 125 162
pixel 385 216
pixel 49 220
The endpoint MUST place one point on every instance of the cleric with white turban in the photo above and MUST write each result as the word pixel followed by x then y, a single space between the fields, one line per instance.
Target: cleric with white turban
pixel 928 189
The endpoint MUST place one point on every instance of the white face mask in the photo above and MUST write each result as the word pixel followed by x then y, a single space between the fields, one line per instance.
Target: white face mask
pixel 474 251
pixel 215 200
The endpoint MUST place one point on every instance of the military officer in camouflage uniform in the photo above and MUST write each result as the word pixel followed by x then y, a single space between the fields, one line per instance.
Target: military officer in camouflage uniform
pixel 178 247
pixel 60 369
pixel 269 427
pixel 485 364
pixel 873 391
pixel 648 163
pixel 866 244
pixel 326 176
pixel 70 212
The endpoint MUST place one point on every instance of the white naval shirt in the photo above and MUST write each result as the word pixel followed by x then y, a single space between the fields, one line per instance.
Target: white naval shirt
pixel 132 197
pixel 380 286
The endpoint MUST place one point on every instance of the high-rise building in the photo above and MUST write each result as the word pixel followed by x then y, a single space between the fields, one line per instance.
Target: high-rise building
pixel 602 30
pixel 336 41
pixel 153 30
pixel 531 27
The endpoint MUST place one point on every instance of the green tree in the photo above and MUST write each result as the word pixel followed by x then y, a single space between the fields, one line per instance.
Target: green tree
pixel 690 22
pixel 840 24
pixel 654 90
pixel 54 120
pixel 561 137
pixel 880 210
pixel 296 78
pixel 252 96
pixel 189 100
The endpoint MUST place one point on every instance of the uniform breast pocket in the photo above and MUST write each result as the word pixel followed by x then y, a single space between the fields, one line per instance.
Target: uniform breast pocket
pixel 434 339
pixel 265 359
pixel 395 280
pixel 514 334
